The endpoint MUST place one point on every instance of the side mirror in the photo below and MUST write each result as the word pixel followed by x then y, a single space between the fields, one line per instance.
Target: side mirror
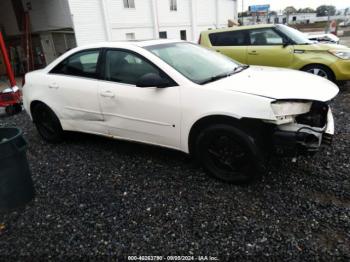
pixel 152 80
pixel 285 43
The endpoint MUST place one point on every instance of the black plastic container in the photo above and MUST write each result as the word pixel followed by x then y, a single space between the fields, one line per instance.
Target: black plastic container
pixel 16 185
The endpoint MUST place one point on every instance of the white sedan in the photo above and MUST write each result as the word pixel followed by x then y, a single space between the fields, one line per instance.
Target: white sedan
pixel 324 38
pixel 179 95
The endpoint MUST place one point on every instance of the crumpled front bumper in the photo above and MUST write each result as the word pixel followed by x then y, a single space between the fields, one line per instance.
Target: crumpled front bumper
pixel 295 139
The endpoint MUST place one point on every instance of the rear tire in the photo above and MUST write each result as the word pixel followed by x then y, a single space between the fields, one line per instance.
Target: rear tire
pixel 320 70
pixel 229 154
pixel 47 123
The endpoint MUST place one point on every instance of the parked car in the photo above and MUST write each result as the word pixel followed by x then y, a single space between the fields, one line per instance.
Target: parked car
pixel 179 95
pixel 324 38
pixel 280 46
pixel 345 23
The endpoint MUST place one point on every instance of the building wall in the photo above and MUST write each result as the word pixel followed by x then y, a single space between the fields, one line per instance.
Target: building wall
pixel 181 17
pixel 206 13
pixel 108 20
pixel 88 21
pixel 48 15
pixel 8 18
pixel 45 15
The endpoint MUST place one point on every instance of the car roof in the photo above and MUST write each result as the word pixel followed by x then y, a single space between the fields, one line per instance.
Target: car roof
pixel 235 28
pixel 139 43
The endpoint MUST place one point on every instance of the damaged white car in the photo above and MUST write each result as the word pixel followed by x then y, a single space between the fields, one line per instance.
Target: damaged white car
pixel 179 95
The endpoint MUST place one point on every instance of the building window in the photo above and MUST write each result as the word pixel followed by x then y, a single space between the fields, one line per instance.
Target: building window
pixel 183 35
pixel 173 5
pixel 130 36
pixel 129 3
pixel 294 18
pixel 163 35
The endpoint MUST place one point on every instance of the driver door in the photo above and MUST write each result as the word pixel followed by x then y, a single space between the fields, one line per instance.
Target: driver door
pixel 150 114
pixel 266 48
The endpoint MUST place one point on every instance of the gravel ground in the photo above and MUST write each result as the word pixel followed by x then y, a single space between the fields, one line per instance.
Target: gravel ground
pixel 98 197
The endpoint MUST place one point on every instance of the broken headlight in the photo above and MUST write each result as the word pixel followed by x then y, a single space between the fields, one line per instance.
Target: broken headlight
pixel 316 117
pixel 290 108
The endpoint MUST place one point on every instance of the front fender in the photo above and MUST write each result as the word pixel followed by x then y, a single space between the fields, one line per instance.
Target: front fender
pixel 231 104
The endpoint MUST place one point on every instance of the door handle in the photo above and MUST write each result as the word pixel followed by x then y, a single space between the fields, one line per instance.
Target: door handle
pixel 54 86
pixel 107 94
pixel 253 53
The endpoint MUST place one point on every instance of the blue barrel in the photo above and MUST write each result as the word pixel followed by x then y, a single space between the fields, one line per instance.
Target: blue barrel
pixel 16 185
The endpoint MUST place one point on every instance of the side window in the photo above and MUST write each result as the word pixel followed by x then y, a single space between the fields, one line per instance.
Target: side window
pixel 232 38
pixel 125 67
pixel 265 36
pixel 129 4
pixel 82 64
pixel 173 5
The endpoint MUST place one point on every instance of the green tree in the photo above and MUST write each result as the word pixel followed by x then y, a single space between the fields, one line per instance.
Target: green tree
pixel 289 10
pixel 245 14
pixel 347 11
pixel 325 10
pixel 306 10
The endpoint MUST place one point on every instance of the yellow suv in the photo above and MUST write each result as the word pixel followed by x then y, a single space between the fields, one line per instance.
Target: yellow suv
pixel 280 46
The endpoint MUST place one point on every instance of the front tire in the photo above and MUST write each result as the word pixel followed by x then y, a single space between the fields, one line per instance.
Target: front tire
pixel 229 154
pixel 320 70
pixel 47 123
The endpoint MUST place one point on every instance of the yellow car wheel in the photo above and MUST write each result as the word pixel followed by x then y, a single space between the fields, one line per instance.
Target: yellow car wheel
pixel 320 70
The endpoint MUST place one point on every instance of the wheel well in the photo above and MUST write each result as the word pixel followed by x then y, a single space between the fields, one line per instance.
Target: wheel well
pixel 250 125
pixel 33 104
pixel 321 65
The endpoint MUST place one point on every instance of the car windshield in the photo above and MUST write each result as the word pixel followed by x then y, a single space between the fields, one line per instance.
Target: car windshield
pixel 198 64
pixel 296 36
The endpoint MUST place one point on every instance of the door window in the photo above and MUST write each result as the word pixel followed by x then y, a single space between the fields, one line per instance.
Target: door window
pixel 265 36
pixel 233 38
pixel 125 67
pixel 82 64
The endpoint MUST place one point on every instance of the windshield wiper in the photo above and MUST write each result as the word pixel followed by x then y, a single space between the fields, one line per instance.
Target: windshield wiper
pixel 224 75
pixel 240 68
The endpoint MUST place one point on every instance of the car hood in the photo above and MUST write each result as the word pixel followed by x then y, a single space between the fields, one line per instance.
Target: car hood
pixel 278 83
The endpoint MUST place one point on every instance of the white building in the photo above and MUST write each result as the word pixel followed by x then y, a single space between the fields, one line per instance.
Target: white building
pixel 145 19
pixel 58 25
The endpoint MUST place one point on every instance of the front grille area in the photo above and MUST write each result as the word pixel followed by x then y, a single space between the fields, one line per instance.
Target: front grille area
pixel 317 117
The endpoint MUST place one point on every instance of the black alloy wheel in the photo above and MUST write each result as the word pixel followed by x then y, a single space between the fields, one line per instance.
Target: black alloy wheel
pixel 47 123
pixel 229 154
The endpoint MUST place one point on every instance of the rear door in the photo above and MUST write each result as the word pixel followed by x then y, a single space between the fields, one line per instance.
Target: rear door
pixel 73 91
pixel 232 44
pixel 266 47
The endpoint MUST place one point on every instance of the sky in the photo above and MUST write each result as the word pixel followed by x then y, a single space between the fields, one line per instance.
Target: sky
pixel 281 4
